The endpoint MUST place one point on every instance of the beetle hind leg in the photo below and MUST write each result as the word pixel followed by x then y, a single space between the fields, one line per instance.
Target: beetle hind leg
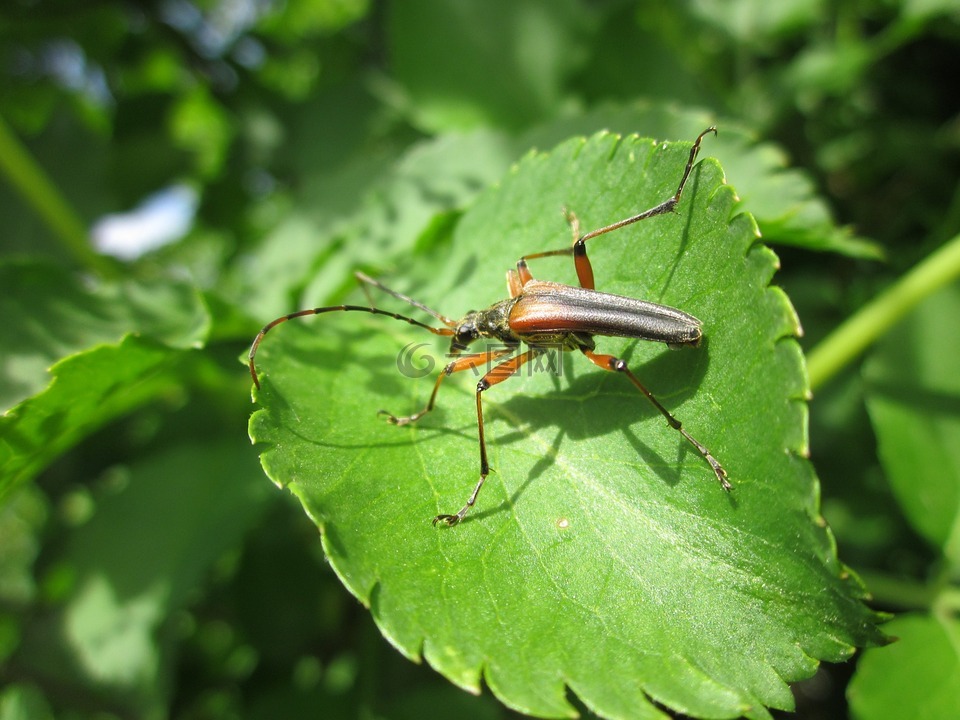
pixel 579 248
pixel 615 364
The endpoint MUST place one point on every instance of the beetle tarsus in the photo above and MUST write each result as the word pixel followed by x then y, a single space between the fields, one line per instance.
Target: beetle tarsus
pixel 400 420
pixel 452 520
pixel 711 460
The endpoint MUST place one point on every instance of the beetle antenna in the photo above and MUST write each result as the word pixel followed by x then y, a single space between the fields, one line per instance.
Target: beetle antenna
pixel 445 331
pixel 367 280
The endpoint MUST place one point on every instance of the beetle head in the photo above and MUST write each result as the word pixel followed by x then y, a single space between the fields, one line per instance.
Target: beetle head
pixel 465 333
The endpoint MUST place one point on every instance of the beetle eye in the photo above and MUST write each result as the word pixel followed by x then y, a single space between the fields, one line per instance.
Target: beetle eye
pixel 466 334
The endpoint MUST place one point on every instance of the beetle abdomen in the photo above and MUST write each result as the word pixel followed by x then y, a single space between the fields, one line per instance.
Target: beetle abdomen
pixel 546 307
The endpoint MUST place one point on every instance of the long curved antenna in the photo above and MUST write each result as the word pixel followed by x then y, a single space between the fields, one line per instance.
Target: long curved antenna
pixel 367 280
pixel 445 331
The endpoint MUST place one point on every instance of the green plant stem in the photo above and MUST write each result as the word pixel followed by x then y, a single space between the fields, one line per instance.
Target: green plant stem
pixel 905 594
pixel 900 593
pixel 859 331
pixel 40 193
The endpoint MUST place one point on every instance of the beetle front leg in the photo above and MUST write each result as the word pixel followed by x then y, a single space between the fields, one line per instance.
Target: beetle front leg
pixel 615 364
pixel 497 375
pixel 465 362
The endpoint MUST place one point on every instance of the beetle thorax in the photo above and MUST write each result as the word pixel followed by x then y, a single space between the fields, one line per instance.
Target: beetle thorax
pixel 493 323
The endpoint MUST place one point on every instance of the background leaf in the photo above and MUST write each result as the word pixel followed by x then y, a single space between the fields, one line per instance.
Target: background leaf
pixel 89 389
pixel 371 213
pixel 476 45
pixel 913 395
pixel 320 137
pixel 781 198
pixel 916 677
pixel 42 327
pixel 602 554
pixel 20 701
pixel 113 606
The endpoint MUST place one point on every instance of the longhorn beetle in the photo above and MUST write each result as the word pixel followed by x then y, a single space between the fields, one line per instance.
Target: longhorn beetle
pixel 544 315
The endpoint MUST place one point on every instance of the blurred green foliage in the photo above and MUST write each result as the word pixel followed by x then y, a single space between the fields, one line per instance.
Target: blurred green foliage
pixel 150 570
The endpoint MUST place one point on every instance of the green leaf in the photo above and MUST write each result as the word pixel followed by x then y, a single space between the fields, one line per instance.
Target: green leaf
pixel 913 396
pixel 373 212
pixel 88 389
pixel 916 677
pixel 99 371
pixel 749 22
pixel 602 555
pixel 433 177
pixel 367 215
pixel 50 313
pixel 925 10
pixel 445 52
pixel 136 563
pixel 21 524
pixel 23 701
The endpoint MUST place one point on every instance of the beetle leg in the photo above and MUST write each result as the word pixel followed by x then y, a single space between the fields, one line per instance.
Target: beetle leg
pixel 579 248
pixel 615 364
pixel 498 374
pixel 515 283
pixel 666 206
pixel 464 362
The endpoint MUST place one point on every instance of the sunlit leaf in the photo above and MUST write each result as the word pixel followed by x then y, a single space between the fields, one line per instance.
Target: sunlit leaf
pixel 602 556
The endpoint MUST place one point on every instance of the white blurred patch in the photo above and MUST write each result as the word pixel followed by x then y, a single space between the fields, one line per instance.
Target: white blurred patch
pixel 161 219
